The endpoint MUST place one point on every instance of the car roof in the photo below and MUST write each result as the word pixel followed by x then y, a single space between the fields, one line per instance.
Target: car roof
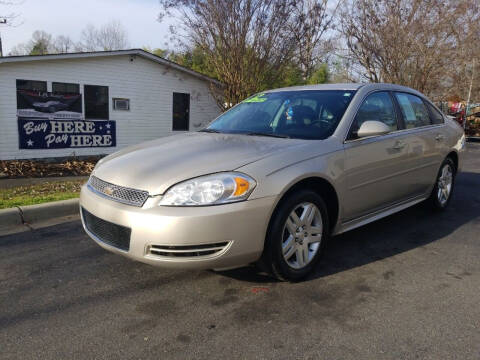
pixel 346 86
pixel 350 87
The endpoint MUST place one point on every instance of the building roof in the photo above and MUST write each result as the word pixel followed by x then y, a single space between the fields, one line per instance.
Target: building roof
pixel 132 52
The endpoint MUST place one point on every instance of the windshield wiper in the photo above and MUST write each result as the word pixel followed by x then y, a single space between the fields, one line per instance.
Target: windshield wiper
pixel 210 131
pixel 253 133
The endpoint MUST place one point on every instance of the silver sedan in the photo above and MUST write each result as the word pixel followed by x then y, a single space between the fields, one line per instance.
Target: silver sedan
pixel 272 179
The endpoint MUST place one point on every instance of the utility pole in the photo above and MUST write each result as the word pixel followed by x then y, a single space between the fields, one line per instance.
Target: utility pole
pixel 469 93
pixel 2 22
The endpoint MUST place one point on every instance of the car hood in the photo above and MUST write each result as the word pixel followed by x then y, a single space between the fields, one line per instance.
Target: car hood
pixel 156 165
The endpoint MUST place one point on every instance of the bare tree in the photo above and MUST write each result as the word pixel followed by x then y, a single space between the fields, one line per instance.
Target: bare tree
pixel 19 50
pixel 409 42
pixel 88 39
pixel 111 36
pixel 310 22
pixel 63 44
pixel 243 40
pixel 249 42
pixel 465 69
pixel 8 17
pixel 40 44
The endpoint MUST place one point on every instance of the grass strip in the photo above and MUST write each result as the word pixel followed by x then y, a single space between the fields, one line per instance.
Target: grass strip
pixel 40 193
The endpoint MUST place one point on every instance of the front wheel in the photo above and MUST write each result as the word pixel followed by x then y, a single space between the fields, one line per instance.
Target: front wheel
pixel 442 191
pixel 297 236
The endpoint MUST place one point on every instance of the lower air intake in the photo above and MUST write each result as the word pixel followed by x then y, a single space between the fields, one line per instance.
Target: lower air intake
pixel 111 234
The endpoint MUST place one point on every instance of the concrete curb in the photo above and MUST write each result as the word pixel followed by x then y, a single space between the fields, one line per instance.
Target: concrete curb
pixel 41 212
pixel 10 218
pixel 32 214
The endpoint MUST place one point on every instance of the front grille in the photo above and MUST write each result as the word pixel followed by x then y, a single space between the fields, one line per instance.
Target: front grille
pixel 118 193
pixel 112 234
pixel 187 250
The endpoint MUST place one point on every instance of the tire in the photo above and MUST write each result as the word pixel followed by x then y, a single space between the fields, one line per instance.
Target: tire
pixel 444 184
pixel 303 249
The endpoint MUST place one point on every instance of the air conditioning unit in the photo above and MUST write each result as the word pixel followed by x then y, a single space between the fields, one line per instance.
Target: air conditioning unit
pixel 121 104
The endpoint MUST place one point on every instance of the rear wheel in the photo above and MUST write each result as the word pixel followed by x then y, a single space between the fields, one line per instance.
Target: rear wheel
pixel 442 191
pixel 297 236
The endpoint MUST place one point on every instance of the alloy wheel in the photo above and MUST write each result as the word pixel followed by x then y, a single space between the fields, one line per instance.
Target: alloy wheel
pixel 444 183
pixel 302 234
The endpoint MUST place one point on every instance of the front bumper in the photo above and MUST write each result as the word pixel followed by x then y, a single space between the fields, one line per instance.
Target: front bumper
pixel 242 226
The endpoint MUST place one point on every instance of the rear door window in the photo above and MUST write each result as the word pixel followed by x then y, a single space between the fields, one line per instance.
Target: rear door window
pixel 414 111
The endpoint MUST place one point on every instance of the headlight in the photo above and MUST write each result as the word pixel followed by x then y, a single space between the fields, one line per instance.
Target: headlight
pixel 212 189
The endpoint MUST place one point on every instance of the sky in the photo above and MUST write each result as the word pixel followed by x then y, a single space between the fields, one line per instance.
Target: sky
pixel 69 17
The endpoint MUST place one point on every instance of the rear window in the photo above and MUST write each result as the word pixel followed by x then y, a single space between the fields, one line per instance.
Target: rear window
pixel 437 117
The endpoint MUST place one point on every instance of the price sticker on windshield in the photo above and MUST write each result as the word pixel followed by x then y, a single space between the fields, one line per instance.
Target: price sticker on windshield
pixel 259 98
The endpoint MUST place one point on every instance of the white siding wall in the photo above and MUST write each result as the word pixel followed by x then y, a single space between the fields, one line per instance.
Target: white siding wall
pixel 148 85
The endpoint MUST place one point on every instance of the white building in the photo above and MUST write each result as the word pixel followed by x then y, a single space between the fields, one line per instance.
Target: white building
pixel 96 103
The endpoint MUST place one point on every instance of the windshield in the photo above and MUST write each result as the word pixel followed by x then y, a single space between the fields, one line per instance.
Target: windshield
pixel 307 114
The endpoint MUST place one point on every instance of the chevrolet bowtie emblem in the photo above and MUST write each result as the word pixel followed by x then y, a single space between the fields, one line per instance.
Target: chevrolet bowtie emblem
pixel 108 191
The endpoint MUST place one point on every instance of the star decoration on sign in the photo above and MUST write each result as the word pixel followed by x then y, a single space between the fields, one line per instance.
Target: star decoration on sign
pixel 108 126
pixel 30 143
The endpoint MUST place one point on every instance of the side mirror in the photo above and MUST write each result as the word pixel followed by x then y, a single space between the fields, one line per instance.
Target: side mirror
pixel 373 128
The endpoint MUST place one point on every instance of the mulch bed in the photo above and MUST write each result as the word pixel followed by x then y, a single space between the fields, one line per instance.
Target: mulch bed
pixel 27 168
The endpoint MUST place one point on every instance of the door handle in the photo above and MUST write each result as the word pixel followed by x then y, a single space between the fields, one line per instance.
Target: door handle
pixel 399 145
pixel 439 137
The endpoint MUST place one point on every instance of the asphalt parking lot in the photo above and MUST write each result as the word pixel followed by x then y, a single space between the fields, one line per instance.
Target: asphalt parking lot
pixel 406 287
